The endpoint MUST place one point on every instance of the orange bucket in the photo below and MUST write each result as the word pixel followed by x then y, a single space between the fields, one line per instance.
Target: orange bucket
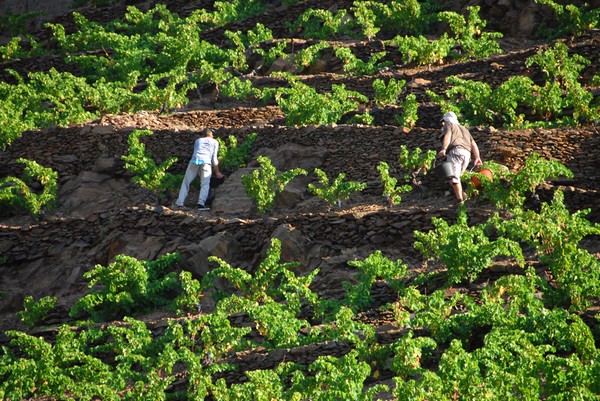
pixel 486 172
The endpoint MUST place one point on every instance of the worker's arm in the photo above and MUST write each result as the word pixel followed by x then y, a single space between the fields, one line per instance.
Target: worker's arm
pixel 445 144
pixel 475 151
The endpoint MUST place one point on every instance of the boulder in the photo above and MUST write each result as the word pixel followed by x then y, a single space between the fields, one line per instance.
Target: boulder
pixel 194 258
pixel 297 247
pixel 292 155
pixel 88 193
pixel 231 196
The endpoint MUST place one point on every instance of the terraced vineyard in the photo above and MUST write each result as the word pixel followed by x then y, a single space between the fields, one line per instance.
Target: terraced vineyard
pixel 359 279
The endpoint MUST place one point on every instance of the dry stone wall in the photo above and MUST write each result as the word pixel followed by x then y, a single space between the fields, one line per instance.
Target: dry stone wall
pixel 108 215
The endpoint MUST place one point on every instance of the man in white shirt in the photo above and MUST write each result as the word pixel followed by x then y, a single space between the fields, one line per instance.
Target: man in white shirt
pixel 203 164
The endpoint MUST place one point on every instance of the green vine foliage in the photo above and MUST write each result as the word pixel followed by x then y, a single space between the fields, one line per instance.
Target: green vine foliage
pixel 234 156
pixel 319 381
pixel 525 347
pixel 17 194
pixel 272 296
pixel 562 89
pixel 465 250
pixel 308 56
pixel 274 52
pixel 391 191
pixel 191 292
pixel 264 183
pixel 335 191
pixel 409 116
pixel 22 46
pixel 16 23
pixel 34 311
pixel 228 11
pixel 333 378
pixel 238 88
pixel 366 19
pixel 506 100
pixel 469 34
pixel 524 336
pixel 303 105
pixel 365 118
pixel 509 190
pixel 556 234
pixel 252 42
pixel 407 17
pixel 355 66
pixel 561 100
pixel 422 51
pixel 148 174
pixel 415 161
pixel 42 368
pixel 151 43
pixel 259 286
pixel 375 267
pixel 47 98
pixel 127 286
pixel 252 38
pixel 151 60
pixel 321 24
pixel 387 94
pixel 572 20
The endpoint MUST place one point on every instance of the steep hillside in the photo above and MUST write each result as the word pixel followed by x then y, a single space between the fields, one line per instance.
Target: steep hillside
pixel 101 213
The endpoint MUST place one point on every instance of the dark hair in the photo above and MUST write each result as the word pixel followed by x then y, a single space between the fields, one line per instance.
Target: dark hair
pixel 206 132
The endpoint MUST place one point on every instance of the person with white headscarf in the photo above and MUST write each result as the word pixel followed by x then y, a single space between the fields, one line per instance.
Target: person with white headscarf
pixel 457 146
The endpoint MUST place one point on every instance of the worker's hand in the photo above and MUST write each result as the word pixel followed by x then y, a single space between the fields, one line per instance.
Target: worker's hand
pixel 441 153
pixel 218 175
pixel 477 162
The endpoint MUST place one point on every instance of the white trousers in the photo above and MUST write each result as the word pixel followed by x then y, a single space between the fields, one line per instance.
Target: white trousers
pixel 204 171
pixel 460 159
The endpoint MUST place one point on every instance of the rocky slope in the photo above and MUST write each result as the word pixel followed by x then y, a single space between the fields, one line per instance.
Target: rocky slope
pixel 101 213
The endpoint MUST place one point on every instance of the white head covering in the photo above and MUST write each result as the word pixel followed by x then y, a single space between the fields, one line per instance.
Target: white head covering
pixel 450 117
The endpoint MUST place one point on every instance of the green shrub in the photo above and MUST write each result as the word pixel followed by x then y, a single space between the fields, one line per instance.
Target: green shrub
pixel 36 311
pixel 308 56
pixel 391 191
pixel 336 191
pixel 422 51
pixel 386 94
pixel 405 17
pixel 320 24
pixel 470 36
pixel 233 156
pixel 16 24
pixel 410 108
pixel 415 161
pixel 510 190
pixel 561 100
pixel 556 233
pixel 147 174
pixel 16 194
pixel 356 66
pixel 374 267
pixel 128 286
pixel 264 183
pixel 365 118
pixel 571 20
pixel 303 105
pixel 562 89
pixel 228 11
pixel 465 250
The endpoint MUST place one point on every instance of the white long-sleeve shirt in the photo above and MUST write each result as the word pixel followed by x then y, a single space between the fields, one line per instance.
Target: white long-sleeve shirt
pixel 206 151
